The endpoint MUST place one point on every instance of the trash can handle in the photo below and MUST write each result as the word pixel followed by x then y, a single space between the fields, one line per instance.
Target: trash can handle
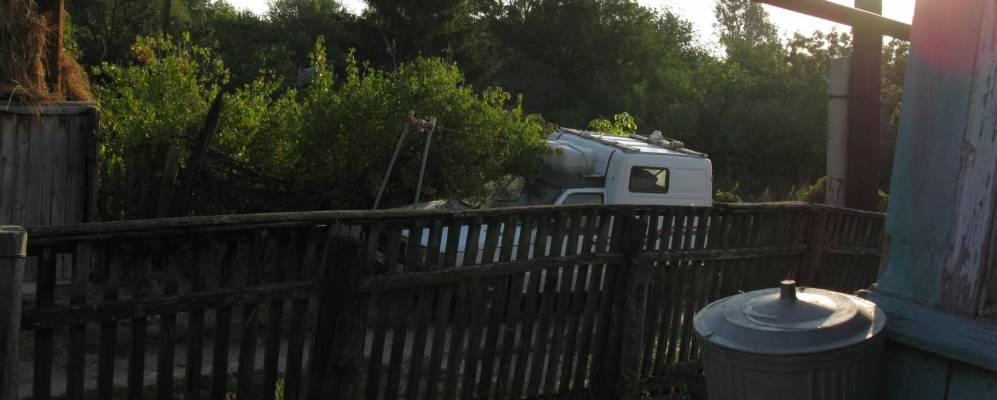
pixel 787 290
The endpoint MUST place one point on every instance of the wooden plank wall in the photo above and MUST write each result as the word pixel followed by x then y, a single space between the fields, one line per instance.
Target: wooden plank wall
pixel 45 157
pixel 47 167
pixel 211 306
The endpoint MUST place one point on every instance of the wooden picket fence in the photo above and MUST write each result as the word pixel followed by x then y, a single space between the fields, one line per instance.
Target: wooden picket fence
pixel 359 304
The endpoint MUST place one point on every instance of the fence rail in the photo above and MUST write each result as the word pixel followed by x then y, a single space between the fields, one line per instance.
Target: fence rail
pixel 408 304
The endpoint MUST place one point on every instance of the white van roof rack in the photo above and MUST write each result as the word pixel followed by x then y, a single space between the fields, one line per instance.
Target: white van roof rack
pixel 671 144
pixel 598 137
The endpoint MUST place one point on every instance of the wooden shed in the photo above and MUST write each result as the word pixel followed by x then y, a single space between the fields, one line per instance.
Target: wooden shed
pixel 48 165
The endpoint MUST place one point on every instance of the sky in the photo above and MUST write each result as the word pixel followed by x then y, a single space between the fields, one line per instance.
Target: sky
pixel 700 12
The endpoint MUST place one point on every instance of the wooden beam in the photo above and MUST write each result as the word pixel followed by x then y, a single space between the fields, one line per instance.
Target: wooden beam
pixel 200 154
pixel 863 165
pixel 53 12
pixel 12 252
pixel 924 327
pixel 845 15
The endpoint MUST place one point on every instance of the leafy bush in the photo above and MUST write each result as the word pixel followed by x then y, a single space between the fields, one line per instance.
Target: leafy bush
pixel 158 101
pixel 814 193
pixel 352 128
pixel 336 135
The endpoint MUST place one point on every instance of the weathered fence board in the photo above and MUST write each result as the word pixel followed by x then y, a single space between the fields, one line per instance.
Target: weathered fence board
pixel 384 305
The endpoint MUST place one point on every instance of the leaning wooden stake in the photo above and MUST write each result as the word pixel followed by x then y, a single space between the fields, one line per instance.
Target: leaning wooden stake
pixel 13 242
pixel 200 154
pixel 394 157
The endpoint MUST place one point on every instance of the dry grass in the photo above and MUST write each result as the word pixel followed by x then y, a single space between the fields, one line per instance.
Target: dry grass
pixel 23 42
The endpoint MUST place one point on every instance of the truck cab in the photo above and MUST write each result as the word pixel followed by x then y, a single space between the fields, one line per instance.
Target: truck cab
pixel 582 167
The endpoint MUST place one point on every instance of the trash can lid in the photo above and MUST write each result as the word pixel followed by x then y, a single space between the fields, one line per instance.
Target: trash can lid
pixel 789 320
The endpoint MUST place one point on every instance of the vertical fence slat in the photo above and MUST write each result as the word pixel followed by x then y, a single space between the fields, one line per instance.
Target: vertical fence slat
pixel 471 245
pixel 167 323
pixel 298 323
pixel 44 297
pixel 76 361
pixel 275 314
pixel 401 308
pixel 593 297
pixel 556 356
pixel 203 260
pixel 245 381
pixel 380 309
pixel 495 314
pixel 479 297
pixel 422 321
pixel 452 239
pixel 441 325
pixel 494 229
pixel 508 237
pixel 109 330
pixel 455 352
pixel 13 241
pixel 223 324
pixel 579 292
pixel 521 363
pixel 413 248
pixel 510 328
pixel 136 357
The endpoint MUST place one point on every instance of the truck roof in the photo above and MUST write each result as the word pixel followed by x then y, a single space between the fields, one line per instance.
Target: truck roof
pixel 636 143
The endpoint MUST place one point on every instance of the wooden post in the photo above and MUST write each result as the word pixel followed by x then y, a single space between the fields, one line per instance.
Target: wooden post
pixel 13 242
pixel 425 156
pixel 336 355
pixel 943 196
pixel 166 181
pixel 91 191
pixel 200 155
pixel 53 12
pixel 864 103
pixel 837 132
pixel 619 374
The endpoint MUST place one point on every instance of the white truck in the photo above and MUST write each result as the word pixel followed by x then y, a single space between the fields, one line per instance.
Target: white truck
pixel 582 167
pixel 590 168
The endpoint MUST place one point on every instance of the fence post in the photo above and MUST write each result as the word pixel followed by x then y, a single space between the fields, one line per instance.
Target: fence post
pixel 13 242
pixel 335 357
pixel 808 272
pixel 620 375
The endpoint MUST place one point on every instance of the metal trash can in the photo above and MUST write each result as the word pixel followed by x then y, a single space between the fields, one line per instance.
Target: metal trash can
pixel 791 343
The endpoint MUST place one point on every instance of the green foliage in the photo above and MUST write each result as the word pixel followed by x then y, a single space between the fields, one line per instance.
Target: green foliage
pixel 336 135
pixel 622 125
pixel 163 97
pixel 728 195
pixel 757 105
pixel 158 101
pixel 351 130
pixel 814 193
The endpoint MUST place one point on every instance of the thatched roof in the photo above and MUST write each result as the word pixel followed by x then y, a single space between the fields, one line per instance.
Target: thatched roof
pixel 23 40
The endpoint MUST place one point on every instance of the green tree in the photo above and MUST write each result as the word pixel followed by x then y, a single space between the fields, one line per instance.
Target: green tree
pixel 744 20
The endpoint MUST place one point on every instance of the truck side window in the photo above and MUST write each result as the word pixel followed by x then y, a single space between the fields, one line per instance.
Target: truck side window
pixel 583 198
pixel 648 180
